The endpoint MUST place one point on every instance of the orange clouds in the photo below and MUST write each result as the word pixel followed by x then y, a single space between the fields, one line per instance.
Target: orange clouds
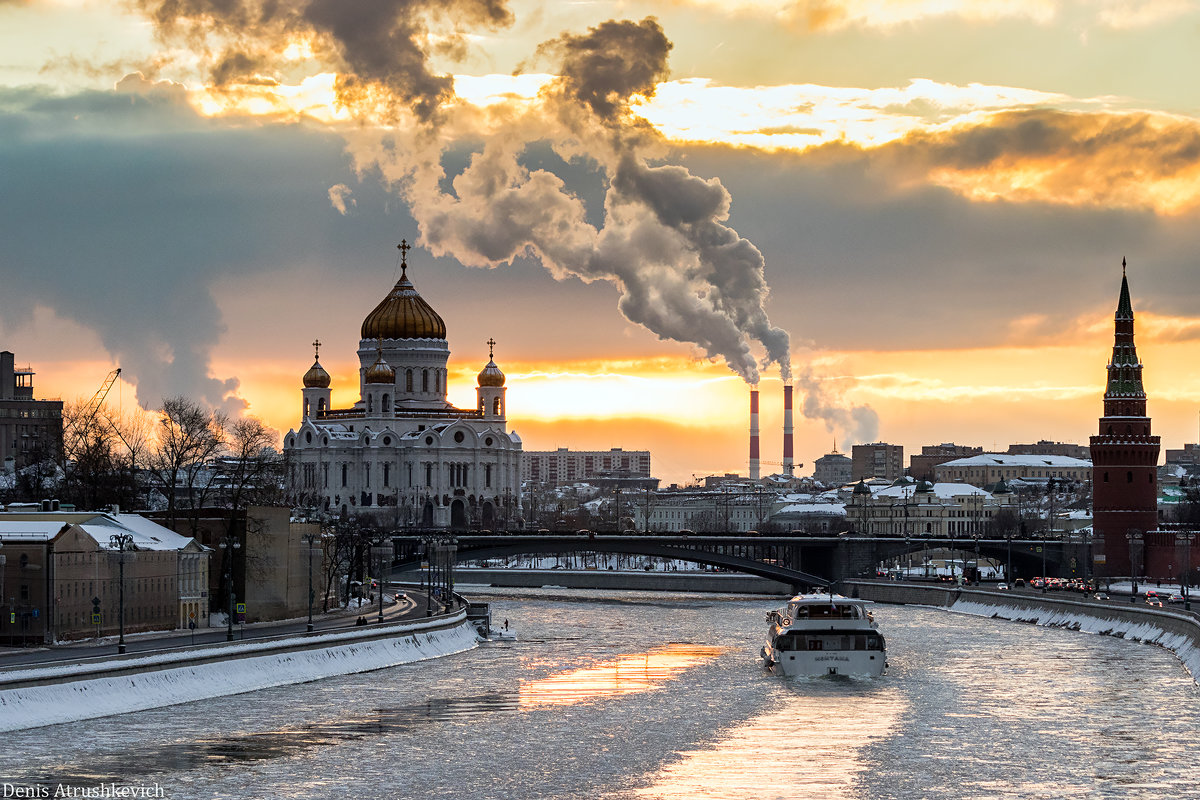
pixel 1134 160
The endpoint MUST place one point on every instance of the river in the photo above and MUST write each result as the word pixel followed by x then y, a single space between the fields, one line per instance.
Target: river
pixel 627 696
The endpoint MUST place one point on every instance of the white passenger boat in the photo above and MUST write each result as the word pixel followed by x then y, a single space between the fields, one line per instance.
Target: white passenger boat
pixel 824 634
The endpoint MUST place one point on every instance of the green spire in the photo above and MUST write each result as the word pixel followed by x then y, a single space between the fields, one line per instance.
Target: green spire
pixel 1124 306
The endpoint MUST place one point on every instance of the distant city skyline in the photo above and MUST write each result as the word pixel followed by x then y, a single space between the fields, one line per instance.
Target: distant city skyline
pixel 932 201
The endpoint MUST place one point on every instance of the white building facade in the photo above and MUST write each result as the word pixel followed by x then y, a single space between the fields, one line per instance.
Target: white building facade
pixel 402 453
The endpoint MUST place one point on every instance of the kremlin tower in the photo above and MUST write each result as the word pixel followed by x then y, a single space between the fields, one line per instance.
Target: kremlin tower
pixel 1124 459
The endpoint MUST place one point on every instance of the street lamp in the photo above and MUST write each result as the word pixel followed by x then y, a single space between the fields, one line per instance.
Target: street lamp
pixel 310 539
pixel 1135 557
pixel 1186 540
pixel 229 544
pixel 381 552
pixel 122 542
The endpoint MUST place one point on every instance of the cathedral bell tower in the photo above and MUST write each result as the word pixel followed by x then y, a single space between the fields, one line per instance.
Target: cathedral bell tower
pixel 1124 458
pixel 490 391
pixel 316 386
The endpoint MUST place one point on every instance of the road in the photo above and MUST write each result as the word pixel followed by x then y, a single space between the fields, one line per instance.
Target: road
pixel 412 607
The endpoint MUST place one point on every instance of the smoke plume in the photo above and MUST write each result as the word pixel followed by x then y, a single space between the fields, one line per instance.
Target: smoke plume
pixel 858 423
pixel 682 272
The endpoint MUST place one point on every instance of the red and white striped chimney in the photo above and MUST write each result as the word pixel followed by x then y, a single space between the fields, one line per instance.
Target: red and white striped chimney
pixel 787 430
pixel 753 433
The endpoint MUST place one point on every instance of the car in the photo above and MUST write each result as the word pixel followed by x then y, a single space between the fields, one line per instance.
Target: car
pixel 1153 603
pixel 1002 587
pixel 1019 583
pixel 1099 596
pixel 1151 593
pixel 1175 598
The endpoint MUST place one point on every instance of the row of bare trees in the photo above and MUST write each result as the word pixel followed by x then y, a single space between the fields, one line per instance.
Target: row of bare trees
pixel 183 455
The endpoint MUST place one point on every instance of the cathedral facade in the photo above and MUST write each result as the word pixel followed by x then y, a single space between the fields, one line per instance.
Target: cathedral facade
pixel 402 454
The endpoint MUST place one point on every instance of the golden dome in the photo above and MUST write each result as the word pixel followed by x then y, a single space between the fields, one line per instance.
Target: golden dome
pixel 380 372
pixel 491 375
pixel 403 315
pixel 316 377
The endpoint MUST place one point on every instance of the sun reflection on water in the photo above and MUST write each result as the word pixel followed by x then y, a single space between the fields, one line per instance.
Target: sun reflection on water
pixel 626 674
pixel 809 743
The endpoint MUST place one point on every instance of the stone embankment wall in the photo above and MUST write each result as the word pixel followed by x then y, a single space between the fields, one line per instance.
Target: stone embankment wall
pixel 653 581
pixel 1177 630
pixel 32 696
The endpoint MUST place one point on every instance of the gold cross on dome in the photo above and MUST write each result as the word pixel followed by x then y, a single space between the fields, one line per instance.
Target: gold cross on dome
pixel 404 247
pixel 491 343
pixel 317 348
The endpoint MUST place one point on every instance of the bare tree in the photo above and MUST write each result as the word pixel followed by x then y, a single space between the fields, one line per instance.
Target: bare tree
pixel 188 436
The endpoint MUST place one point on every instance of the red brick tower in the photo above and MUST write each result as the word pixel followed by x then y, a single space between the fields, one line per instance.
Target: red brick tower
pixel 1124 457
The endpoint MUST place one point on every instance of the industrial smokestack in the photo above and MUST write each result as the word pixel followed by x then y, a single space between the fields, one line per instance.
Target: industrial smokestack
pixel 787 429
pixel 753 433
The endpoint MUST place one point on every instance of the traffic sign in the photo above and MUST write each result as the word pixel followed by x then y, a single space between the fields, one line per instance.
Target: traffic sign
pixel 95 619
pixel 12 616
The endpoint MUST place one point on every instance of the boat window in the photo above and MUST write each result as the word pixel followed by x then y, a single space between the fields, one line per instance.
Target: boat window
pixel 825 611
pixel 829 641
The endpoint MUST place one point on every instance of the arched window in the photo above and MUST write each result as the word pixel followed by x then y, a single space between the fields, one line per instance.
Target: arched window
pixel 496 406
pixel 408 381
pixel 424 380
pixel 1129 477
pixel 343 474
pixel 370 403
pixel 387 474
pixel 1106 477
pixel 385 405
pixel 437 380
pixel 306 406
pixel 321 406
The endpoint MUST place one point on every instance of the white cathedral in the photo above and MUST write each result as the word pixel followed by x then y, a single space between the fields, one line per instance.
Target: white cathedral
pixel 402 453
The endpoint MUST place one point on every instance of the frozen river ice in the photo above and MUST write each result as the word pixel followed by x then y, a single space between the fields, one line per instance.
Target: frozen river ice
pixel 621 695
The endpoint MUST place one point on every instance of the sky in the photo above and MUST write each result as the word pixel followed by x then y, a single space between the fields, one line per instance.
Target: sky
pixel 916 210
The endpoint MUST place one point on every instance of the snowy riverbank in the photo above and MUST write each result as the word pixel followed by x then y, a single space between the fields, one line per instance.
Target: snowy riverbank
pixel 154 681
pixel 1176 632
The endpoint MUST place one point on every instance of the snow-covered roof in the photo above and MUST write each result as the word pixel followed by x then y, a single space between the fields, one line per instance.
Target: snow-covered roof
pixel 943 491
pixel 1006 460
pixel 98 526
pixel 26 531
pixel 833 509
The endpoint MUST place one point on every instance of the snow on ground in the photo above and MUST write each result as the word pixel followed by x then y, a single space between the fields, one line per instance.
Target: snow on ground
pixel 162 685
pixel 1094 620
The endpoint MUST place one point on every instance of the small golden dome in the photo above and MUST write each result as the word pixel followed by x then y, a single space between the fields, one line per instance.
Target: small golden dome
pixel 403 314
pixel 491 375
pixel 316 377
pixel 380 372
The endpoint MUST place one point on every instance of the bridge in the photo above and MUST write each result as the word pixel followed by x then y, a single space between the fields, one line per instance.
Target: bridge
pixel 797 561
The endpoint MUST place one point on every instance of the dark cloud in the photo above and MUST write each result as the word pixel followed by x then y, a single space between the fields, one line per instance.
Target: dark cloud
pixel 122 218
pixel 605 67
pixel 378 47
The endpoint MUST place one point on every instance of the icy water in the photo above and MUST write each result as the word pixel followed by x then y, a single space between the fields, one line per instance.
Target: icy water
pixel 645 696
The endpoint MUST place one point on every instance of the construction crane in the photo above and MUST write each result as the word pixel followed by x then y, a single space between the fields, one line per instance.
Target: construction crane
pixel 89 411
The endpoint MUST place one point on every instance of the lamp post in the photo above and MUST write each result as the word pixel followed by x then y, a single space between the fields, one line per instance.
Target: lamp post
pixel 122 542
pixel 310 539
pixel 381 552
pixel 1135 557
pixel 1186 540
pixel 1043 564
pixel 229 544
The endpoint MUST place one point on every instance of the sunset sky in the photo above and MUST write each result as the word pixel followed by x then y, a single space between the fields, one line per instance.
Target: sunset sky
pixel 919 207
